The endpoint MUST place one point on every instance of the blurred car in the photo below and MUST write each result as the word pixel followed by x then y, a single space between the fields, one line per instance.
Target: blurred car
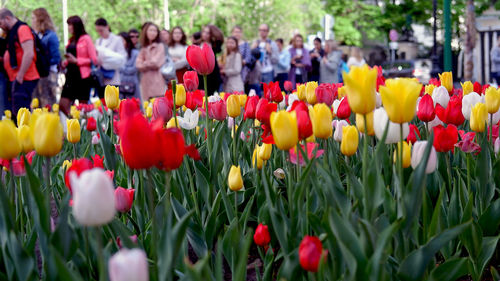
pixel 398 68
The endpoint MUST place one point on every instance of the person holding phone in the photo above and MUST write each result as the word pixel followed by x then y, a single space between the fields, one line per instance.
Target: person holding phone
pixel 300 63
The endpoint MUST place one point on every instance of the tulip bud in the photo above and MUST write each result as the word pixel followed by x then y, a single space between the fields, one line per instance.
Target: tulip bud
pixel 426 112
pixel 440 96
pixel 360 85
pixel 279 173
pixel 73 134
pixel 265 151
pixel 342 109
pixel 492 99
pixel 162 108
pixel 8 114
pixel 467 87
pixel 93 197
pixel 338 124
pixel 468 102
pixel 97 104
pixel 284 129
pixel 446 79
pixel 191 81
pixel 234 179
pixel 201 59
pixel 360 123
pixel 399 97
pixel 124 199
pixel 180 95
pixel 310 252
pixel 23 117
pixel 301 92
pixel 418 153
pixel 34 103
pixel 478 117
pixel 10 145
pixel 288 86
pixel 47 134
pixel 243 100
pixel 233 106
pixel 128 265
pixel 311 92
pixel 91 124
pixel 172 123
pixel 25 138
pixel 149 112
pixel 74 112
pixel 380 120
pixel 321 118
pixel 55 108
pixel 350 140
pixel 406 154
pixel 256 160
pixel 262 236
pixel 112 97
pixel 95 139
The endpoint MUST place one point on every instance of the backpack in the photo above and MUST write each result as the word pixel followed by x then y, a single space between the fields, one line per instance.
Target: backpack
pixel 42 54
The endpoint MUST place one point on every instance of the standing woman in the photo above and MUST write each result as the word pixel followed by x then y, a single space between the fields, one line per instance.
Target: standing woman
pixel 129 87
pixel 244 47
pixel 316 55
pixel 356 58
pixel 149 61
pixel 232 68
pixel 213 36
pixel 44 27
pixel 80 55
pixel 300 63
pixel 330 64
pixel 177 51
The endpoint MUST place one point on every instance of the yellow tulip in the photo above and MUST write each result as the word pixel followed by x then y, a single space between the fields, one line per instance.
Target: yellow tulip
pixel 360 123
pixel 145 104
pixel 45 110
pixel 171 123
pixel 243 100
pixel 256 160
pixel 399 97
pixel 73 134
pixel 256 123
pixel 446 79
pixel 24 135
pixel 55 108
pixel 197 130
pixel 8 114
pixel 23 116
pixel 311 92
pixel 342 92
pixel 34 103
pixel 429 89
pixel 66 165
pixel 233 106
pixel 406 154
pixel 492 99
pixel 112 97
pixel 74 112
pixel 234 179
pixel 301 92
pixel 321 119
pixel 180 95
pixel 284 129
pixel 478 117
pixel 360 85
pixel 47 134
pixel 10 145
pixel 350 140
pixel 235 130
pixel 222 95
pixel 149 112
pixel 265 151
pixel 467 87
pixel 97 104
pixel 311 138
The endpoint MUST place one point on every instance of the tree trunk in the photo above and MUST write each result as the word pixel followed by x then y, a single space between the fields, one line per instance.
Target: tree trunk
pixel 470 40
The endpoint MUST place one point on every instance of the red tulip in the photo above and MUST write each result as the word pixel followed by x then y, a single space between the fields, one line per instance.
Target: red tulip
pixel 194 99
pixel 201 59
pixel 98 161
pixel 133 238
pixel 453 112
pixel 426 111
pixel 272 92
pixel 162 109
pixel 190 80
pixel 110 174
pixel 303 120
pixel 344 110
pixel 192 152
pixel 251 107
pixel 445 138
pixel 217 110
pixel 77 166
pixel 288 86
pixel 128 107
pixel 91 124
pixel 380 77
pixel 264 110
pixel 412 136
pixel 262 237
pixel 435 81
pixel 124 199
pixel 485 87
pixel 467 144
pixel 138 142
pixel 173 148
pixel 325 93
pixel 310 251
pixel 477 87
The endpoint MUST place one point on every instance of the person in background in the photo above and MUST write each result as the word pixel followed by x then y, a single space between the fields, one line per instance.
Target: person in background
pixel 343 67
pixel 177 51
pixel 214 37
pixel 283 66
pixel 80 55
pixel 269 53
pixel 47 86
pixel 232 67
pixel 356 58
pixel 196 38
pixel 165 36
pixel 495 63
pixel 316 55
pixel 129 86
pixel 149 61
pixel 4 85
pixel 244 49
pixel 300 61
pixel 111 53
pixel 330 63
pixel 19 60
pixel 134 37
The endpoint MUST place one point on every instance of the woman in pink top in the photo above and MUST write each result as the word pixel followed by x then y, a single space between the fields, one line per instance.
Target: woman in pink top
pixel 80 55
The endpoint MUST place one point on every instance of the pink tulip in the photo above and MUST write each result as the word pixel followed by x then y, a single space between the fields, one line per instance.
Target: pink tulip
pixel 124 199
pixel 129 265
pixel 162 109
pixel 217 110
pixel 190 80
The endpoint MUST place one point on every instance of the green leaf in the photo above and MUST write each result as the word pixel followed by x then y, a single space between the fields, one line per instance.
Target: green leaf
pixel 450 270
pixel 490 219
pixel 488 247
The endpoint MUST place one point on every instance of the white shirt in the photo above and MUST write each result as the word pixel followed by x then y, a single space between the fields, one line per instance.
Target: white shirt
pixel 352 61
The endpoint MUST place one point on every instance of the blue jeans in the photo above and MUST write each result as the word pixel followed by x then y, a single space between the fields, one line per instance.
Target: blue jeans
pixel 267 77
pixel 21 94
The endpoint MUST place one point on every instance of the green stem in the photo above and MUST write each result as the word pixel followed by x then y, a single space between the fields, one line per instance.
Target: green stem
pixel 174 91
pixel 491 130
pixel 234 142
pixel 207 123
pixel 75 155
pixel 468 171
pixel 236 208
pixel 400 152
pixel 364 166
pixel 154 234
pixel 193 193
pixel 100 256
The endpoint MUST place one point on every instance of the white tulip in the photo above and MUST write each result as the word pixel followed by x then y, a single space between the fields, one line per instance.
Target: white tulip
pixel 440 95
pixel 497 145
pixel 380 120
pixel 291 99
pixel 252 93
pixel 496 117
pixel 93 197
pixel 417 154
pixel 336 104
pixel 190 119
pixel 338 125
pixel 129 265
pixel 378 100
pixel 434 123
pixel 468 101
pixel 214 98
pixel 95 139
